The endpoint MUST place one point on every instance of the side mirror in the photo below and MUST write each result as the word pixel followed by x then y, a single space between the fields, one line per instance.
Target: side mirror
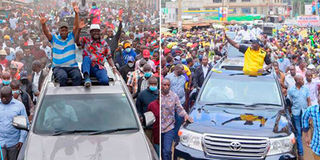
pixel 149 118
pixel 20 122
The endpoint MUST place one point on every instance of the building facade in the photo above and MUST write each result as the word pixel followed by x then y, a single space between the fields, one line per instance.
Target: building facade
pixel 192 8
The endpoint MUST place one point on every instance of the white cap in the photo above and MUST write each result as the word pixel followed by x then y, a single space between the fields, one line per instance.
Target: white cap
pixel 94 26
pixel 311 66
pixel 3 52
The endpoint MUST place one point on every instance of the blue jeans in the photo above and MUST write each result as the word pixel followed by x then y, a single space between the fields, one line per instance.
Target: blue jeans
pixel 156 147
pixel 166 142
pixel 62 74
pixel 298 133
pixel 179 120
pixel 101 74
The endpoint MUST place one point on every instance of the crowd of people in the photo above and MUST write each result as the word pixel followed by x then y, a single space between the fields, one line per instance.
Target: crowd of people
pixel 37 38
pixel 292 52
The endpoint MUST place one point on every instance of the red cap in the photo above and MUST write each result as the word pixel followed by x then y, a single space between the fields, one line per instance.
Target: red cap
pixel 146 53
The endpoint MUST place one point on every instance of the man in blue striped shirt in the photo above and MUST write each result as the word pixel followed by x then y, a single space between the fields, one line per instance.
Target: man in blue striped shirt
pixel 63 50
pixel 312 112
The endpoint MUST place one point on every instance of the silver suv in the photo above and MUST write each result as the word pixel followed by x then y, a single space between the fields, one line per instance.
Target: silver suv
pixel 77 123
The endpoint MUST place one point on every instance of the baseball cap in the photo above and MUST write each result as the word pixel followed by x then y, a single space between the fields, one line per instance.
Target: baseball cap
pixel 63 24
pixel 257 42
pixel 23 75
pixel 126 45
pixel 130 59
pixel 311 66
pixel 13 66
pixel 94 26
pixel 146 53
pixel 3 52
pixel 6 37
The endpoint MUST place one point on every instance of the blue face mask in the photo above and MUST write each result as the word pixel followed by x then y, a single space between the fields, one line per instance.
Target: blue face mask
pixel 128 50
pixel 148 74
pixel 153 88
pixel 281 59
pixel 16 92
pixel 6 82
pixel 94 7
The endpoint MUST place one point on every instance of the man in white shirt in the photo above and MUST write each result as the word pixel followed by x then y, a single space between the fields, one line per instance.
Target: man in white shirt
pixel 256 31
pixel 245 34
pixel 13 22
pixel 313 87
pixel 289 79
pixel 45 47
pixel 38 77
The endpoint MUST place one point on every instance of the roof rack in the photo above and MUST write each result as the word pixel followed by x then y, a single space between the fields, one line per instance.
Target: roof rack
pixel 113 78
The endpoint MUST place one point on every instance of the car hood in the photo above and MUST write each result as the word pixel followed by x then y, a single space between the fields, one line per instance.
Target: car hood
pixel 240 121
pixel 131 146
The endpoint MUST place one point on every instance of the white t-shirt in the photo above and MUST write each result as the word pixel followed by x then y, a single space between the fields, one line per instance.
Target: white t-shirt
pixel 13 22
pixel 246 35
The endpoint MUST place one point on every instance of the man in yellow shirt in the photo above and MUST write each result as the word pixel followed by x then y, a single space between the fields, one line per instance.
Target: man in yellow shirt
pixel 254 57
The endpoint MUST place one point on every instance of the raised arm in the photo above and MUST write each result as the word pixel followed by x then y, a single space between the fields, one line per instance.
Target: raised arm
pixel 76 30
pixel 120 26
pixel 232 42
pixel 43 21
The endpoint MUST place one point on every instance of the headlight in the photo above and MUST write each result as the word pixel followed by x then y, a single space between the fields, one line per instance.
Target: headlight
pixel 281 145
pixel 190 139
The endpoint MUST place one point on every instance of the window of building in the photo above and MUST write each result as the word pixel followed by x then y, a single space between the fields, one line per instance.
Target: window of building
pixel 217 1
pixel 246 10
pixel 194 9
pixel 232 10
pixel 232 0
pixel 255 10
pixel 245 0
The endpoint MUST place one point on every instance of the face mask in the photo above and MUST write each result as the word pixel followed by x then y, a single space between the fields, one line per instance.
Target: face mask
pixel 128 50
pixel 16 92
pixel 6 82
pixel 281 59
pixel 94 7
pixel 130 65
pixel 148 74
pixel 153 88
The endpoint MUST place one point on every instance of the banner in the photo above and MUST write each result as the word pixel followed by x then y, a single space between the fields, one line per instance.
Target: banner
pixel 308 9
pixel 222 13
pixel 308 21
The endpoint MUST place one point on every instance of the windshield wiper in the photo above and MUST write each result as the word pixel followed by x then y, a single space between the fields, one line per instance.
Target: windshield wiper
pixel 113 130
pixel 225 103
pixel 260 104
pixel 60 132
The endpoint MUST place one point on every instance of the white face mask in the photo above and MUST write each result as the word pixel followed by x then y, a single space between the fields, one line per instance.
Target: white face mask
pixel 130 64
pixel 128 50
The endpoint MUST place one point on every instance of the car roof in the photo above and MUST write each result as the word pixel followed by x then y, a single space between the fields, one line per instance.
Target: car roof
pixel 116 86
pixel 80 90
pixel 233 66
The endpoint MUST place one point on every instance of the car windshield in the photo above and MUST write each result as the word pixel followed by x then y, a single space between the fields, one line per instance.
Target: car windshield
pixel 98 112
pixel 241 89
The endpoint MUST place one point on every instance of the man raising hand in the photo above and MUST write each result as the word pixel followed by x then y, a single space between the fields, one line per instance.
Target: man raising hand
pixel 63 50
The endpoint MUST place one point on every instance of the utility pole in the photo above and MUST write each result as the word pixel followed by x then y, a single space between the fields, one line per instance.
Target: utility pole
pixel 179 15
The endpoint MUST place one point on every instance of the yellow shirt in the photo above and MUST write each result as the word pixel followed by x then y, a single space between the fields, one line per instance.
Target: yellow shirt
pixel 188 72
pixel 253 60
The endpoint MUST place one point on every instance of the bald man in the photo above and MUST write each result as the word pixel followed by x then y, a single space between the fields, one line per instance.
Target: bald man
pixel 11 139
pixel 313 87
pixel 170 106
pixel 300 97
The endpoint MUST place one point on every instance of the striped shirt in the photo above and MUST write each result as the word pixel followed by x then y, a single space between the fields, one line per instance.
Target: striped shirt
pixel 169 104
pixel 63 51
pixel 313 113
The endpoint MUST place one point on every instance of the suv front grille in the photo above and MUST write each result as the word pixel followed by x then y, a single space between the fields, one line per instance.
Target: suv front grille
pixel 235 147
